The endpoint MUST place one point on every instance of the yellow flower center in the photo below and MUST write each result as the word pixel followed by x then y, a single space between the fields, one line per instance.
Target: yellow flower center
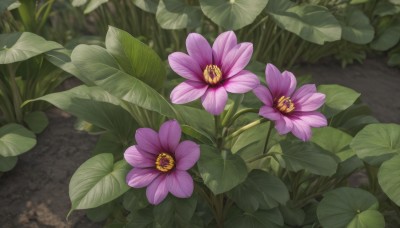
pixel 165 162
pixel 285 105
pixel 212 74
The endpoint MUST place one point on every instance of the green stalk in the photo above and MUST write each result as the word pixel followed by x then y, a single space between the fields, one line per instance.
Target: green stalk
pixel 244 128
pixel 16 96
pixel 236 103
pixel 267 139
pixel 44 17
pixel 242 112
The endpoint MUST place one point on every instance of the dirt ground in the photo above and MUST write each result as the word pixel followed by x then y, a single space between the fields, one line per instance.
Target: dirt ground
pixel 35 192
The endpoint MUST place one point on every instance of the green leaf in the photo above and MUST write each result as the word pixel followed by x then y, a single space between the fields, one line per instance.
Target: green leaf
pixel 37 121
pixel 358 1
pixel 368 219
pixel 140 219
pixel 110 143
pixel 197 134
pixel 260 190
pixel 394 59
pixel 98 181
pixel 100 213
pixel 99 67
pixel 196 118
pixel 307 156
pixel 91 6
pixel 15 140
pixel 338 98
pixel 342 207
pixel 16 47
pixel 136 58
pixel 174 212
pixel 177 14
pixel 356 27
pixel 311 22
pixel 377 143
pixel 95 106
pixel 147 5
pixel 387 39
pixel 135 199
pixel 292 216
pixel 221 171
pixel 259 219
pixel 77 3
pixel 385 8
pixel 389 178
pixel 232 14
pixel 333 140
pixel 7 163
pixel 4 4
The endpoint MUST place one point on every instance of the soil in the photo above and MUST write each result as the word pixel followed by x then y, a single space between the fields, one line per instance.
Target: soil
pixel 35 192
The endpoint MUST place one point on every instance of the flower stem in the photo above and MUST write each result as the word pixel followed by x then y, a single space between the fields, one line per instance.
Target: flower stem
pixel 244 128
pixel 268 136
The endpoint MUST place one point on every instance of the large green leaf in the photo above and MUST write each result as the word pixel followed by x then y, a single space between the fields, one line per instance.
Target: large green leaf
pixel 356 27
pixel 333 140
pixel 338 98
pixel 91 4
pixel 259 219
pixel 311 22
pixel 174 212
pixel 177 14
pixel 349 207
pixel 99 67
pixel 260 190
pixel 96 106
pixel 7 163
pixel 147 5
pixel 15 47
pixel 136 58
pixel 385 8
pixel 387 39
pixel 389 178
pixel 4 4
pixel 135 199
pixel 15 140
pixel 232 14
pixel 377 142
pixel 98 181
pixel 37 121
pixel 198 119
pixel 307 156
pixel 221 171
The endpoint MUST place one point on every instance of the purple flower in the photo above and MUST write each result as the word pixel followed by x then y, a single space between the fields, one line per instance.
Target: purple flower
pixel 160 162
pixel 292 110
pixel 212 72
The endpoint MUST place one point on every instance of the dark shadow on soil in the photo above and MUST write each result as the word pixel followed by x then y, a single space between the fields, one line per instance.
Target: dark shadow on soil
pixel 35 192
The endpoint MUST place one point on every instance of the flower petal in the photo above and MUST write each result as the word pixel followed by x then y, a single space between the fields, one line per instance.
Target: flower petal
pixel 188 91
pixel 157 190
pixel 284 125
pixel 199 49
pixel 185 66
pixel 236 59
pixel 139 178
pixel 242 82
pixel 187 154
pixel 263 94
pixel 222 45
pixel 170 134
pixel 273 77
pixel 303 93
pixel 180 184
pixel 269 113
pixel 147 140
pixel 313 102
pixel 301 129
pixel 290 81
pixel 313 119
pixel 138 158
pixel 214 100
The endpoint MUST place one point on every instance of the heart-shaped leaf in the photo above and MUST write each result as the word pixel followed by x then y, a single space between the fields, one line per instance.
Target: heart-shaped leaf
pixel 389 178
pixel 15 140
pixel 387 39
pixel 338 98
pixel 221 172
pixel 7 163
pixel 311 22
pixel 98 181
pixel 37 121
pixel 259 219
pixel 177 14
pixel 16 47
pixel 147 5
pixel 356 27
pixel 232 14
pixel 349 207
pixel 377 143
pixel 136 58
pixel 333 140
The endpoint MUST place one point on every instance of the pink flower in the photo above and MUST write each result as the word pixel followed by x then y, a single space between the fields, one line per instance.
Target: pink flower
pixel 292 110
pixel 160 162
pixel 212 72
